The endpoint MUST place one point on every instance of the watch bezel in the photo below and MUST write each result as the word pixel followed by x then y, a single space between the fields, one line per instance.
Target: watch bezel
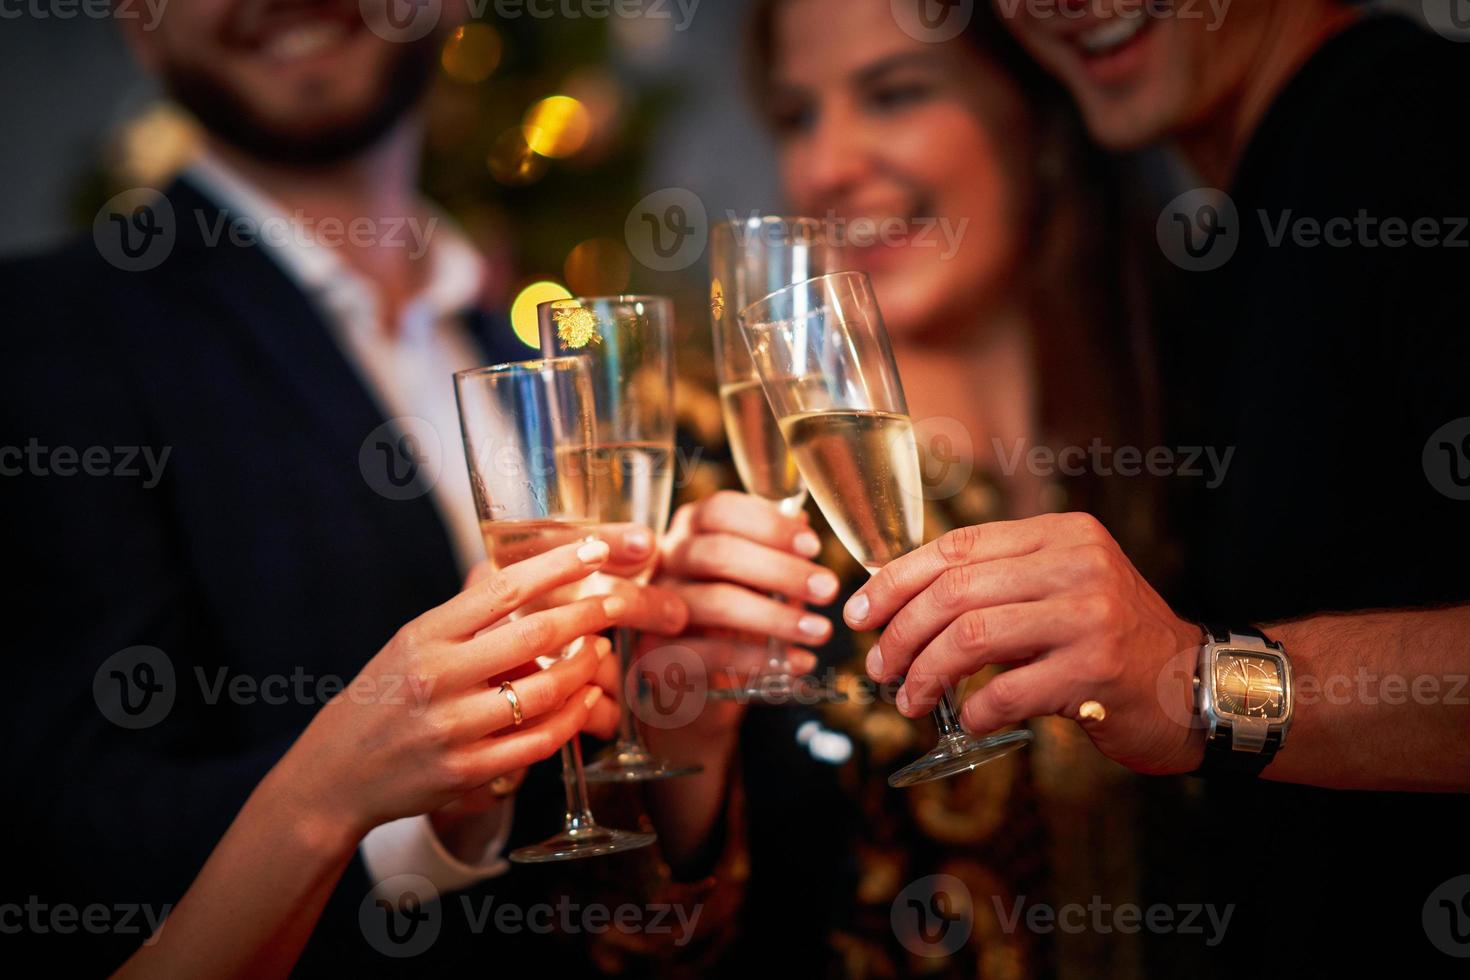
pixel 1210 710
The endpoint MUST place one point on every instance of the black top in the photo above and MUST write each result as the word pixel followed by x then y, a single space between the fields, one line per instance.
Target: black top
pixel 1331 370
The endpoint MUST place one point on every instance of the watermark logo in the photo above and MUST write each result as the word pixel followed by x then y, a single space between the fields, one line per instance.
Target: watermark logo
pixel 135 688
pixel 1447 917
pixel 401 21
pixel 135 231
pixel 667 687
pixel 933 917
pixel 401 916
pixel 1447 459
pixel 668 229
pixel 1449 18
pixel 1199 230
pixel 402 458
pixel 933 21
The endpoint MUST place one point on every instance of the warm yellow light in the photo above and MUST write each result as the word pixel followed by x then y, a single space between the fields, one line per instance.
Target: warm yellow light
pixel 599 267
pixel 512 161
pixel 523 310
pixel 557 126
pixel 471 53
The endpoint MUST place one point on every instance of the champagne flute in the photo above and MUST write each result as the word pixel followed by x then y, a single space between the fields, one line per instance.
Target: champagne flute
pixel 824 358
pixel 751 258
pixel 528 434
pixel 626 342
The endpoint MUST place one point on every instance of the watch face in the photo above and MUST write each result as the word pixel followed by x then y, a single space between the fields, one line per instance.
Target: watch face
pixel 1248 684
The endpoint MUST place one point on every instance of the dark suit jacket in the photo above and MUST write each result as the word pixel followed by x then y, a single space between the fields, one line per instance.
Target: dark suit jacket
pixel 263 552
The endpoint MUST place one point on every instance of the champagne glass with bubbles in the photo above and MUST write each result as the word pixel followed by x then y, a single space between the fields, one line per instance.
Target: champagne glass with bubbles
pixel 627 344
pixel 823 356
pixel 750 258
pixel 528 437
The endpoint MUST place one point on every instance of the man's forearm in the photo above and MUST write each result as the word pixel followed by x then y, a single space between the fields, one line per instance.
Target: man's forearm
pixel 688 811
pixel 1382 701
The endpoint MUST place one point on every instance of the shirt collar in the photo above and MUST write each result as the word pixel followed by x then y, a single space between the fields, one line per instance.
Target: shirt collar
pixel 456 269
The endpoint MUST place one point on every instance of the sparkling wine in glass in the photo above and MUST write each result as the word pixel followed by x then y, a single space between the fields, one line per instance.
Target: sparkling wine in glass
pixel 627 344
pixel 824 358
pixel 750 258
pixel 528 438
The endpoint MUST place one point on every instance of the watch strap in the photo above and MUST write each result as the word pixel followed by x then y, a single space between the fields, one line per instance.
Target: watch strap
pixel 1244 753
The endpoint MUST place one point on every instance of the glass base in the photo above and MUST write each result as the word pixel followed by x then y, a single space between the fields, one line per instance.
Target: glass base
pixel 634 764
pixel 581 842
pixel 957 754
pixel 780 689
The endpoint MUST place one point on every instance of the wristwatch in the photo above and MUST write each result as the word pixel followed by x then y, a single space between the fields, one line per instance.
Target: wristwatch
pixel 1243 693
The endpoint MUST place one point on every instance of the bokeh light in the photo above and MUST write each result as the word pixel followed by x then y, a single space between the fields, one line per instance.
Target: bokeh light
pixel 557 126
pixel 513 162
pixel 599 267
pixel 471 54
pixel 523 310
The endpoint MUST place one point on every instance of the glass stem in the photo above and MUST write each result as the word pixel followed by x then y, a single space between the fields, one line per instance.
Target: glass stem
pixel 579 813
pixel 779 664
pixel 625 641
pixel 946 719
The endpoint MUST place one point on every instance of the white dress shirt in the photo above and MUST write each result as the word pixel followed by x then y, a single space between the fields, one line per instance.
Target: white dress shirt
pixel 408 372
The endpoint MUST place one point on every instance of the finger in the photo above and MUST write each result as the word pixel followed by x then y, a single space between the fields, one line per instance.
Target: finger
pixel 721 605
pixel 497 595
pixel 652 608
pixel 1046 687
pixel 609 677
pixel 602 720
pixel 729 557
pixel 740 663
pixel 632 548
pixel 955 592
pixel 905 577
pixel 541 634
pixel 526 746
pixel 980 637
pixel 490 709
pixel 748 516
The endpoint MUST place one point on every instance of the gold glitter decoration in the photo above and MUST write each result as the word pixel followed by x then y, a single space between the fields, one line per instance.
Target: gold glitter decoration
pixel 576 327
pixel 717 300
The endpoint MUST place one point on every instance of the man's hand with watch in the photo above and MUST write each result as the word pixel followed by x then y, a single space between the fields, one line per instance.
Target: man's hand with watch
pixel 1244 696
pixel 1081 634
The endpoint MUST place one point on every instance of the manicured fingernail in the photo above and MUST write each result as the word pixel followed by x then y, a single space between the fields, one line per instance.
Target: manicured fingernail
pixel 593 552
pixel 857 609
pixel 614 606
pixel 803 662
pixel 592 696
pixel 902 700
pixel 875 663
pixel 813 625
pixel 639 541
pixel 604 647
pixel 808 544
pixel 822 586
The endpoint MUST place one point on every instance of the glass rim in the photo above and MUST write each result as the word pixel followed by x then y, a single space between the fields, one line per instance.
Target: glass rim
pixel 627 299
pixel 528 367
pixel 770 219
pixel 792 287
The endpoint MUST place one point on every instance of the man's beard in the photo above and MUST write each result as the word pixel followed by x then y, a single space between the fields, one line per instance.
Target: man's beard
pixel 230 118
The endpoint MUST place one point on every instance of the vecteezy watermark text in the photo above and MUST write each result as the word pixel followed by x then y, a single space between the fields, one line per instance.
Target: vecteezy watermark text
pixel 1096 458
pixel 36 459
